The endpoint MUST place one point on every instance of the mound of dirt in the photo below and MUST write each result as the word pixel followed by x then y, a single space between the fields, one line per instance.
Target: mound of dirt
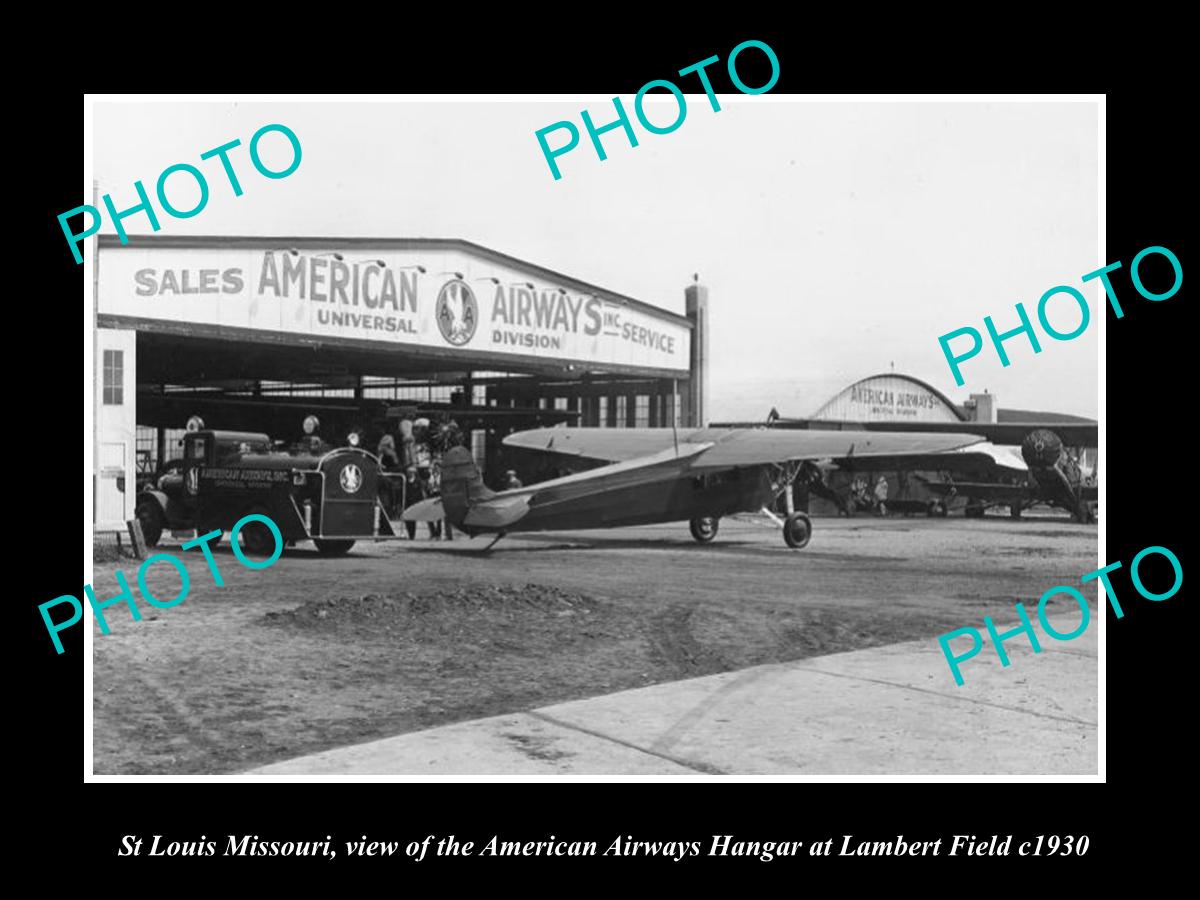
pixel 407 612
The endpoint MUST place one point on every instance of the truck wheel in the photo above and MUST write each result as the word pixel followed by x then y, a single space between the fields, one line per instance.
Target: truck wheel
pixel 150 516
pixel 333 548
pixel 797 530
pixel 257 539
pixel 704 528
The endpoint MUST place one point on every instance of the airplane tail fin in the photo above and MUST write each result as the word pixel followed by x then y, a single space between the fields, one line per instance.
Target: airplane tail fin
pixel 462 485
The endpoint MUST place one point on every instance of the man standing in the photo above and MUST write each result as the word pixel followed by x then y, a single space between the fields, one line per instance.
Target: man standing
pixel 881 493
pixel 389 461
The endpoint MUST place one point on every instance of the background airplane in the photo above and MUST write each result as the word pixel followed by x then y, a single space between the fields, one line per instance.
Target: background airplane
pixel 1047 470
pixel 1055 478
pixel 653 475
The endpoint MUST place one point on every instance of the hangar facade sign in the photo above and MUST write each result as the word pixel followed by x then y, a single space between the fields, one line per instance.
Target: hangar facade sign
pixel 889 398
pixel 425 297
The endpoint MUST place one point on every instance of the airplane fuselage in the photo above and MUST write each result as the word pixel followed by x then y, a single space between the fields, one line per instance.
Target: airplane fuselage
pixel 671 496
pixel 619 495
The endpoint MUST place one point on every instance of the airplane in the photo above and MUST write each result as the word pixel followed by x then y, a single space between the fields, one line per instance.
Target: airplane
pixel 1045 470
pixel 653 475
pixel 1055 477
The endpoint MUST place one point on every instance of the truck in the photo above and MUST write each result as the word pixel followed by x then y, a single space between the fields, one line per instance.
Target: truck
pixel 330 496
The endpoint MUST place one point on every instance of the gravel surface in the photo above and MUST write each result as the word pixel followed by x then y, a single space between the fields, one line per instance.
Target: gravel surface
pixel 315 653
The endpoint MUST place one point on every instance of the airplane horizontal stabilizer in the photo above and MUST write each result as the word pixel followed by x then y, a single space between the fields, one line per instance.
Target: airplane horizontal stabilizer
pixel 425 511
pixel 498 513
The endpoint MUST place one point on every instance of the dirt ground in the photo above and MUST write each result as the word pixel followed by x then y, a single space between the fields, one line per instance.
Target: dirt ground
pixel 316 653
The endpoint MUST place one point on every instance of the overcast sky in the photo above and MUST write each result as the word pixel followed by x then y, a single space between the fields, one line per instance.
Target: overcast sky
pixel 836 239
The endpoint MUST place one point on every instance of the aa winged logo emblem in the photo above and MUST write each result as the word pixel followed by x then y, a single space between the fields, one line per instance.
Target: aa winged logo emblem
pixel 457 313
pixel 351 478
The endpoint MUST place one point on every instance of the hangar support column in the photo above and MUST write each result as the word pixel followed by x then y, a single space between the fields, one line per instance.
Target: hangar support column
pixel 695 392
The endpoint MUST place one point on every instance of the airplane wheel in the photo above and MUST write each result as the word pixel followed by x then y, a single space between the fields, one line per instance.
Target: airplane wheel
pixel 704 528
pixel 333 548
pixel 937 508
pixel 797 530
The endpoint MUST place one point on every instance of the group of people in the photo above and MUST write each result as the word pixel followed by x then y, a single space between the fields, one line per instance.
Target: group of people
pixel 875 500
pixel 418 455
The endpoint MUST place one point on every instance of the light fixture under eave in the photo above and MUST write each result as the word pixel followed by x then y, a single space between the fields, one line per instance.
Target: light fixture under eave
pixel 332 253
pixel 290 251
pixel 420 269
pixel 458 275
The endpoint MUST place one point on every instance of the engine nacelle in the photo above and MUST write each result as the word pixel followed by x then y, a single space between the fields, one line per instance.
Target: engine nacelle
pixel 1041 449
pixel 1050 464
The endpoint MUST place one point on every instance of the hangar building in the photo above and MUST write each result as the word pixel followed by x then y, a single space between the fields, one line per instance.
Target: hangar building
pixel 892 397
pixel 254 333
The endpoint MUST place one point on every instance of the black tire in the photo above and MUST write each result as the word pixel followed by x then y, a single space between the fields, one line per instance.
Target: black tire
pixel 937 508
pixel 333 548
pixel 797 530
pixel 974 511
pixel 150 516
pixel 257 539
pixel 704 528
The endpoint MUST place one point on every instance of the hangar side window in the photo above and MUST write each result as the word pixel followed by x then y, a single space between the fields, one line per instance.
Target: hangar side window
pixel 114 377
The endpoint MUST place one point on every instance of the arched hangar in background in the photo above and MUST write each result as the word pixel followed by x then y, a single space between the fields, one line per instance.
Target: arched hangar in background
pixel 887 398
pixel 894 401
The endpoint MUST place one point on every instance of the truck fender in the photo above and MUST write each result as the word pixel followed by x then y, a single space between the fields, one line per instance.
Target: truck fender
pixel 162 498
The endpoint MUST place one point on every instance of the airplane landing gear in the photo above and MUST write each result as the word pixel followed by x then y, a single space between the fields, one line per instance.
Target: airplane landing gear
pixel 704 528
pixel 797 530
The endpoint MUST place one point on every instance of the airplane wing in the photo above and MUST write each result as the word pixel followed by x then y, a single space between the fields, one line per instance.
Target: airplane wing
pixel 852 450
pixel 1073 434
pixel 606 444
pixel 730 448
